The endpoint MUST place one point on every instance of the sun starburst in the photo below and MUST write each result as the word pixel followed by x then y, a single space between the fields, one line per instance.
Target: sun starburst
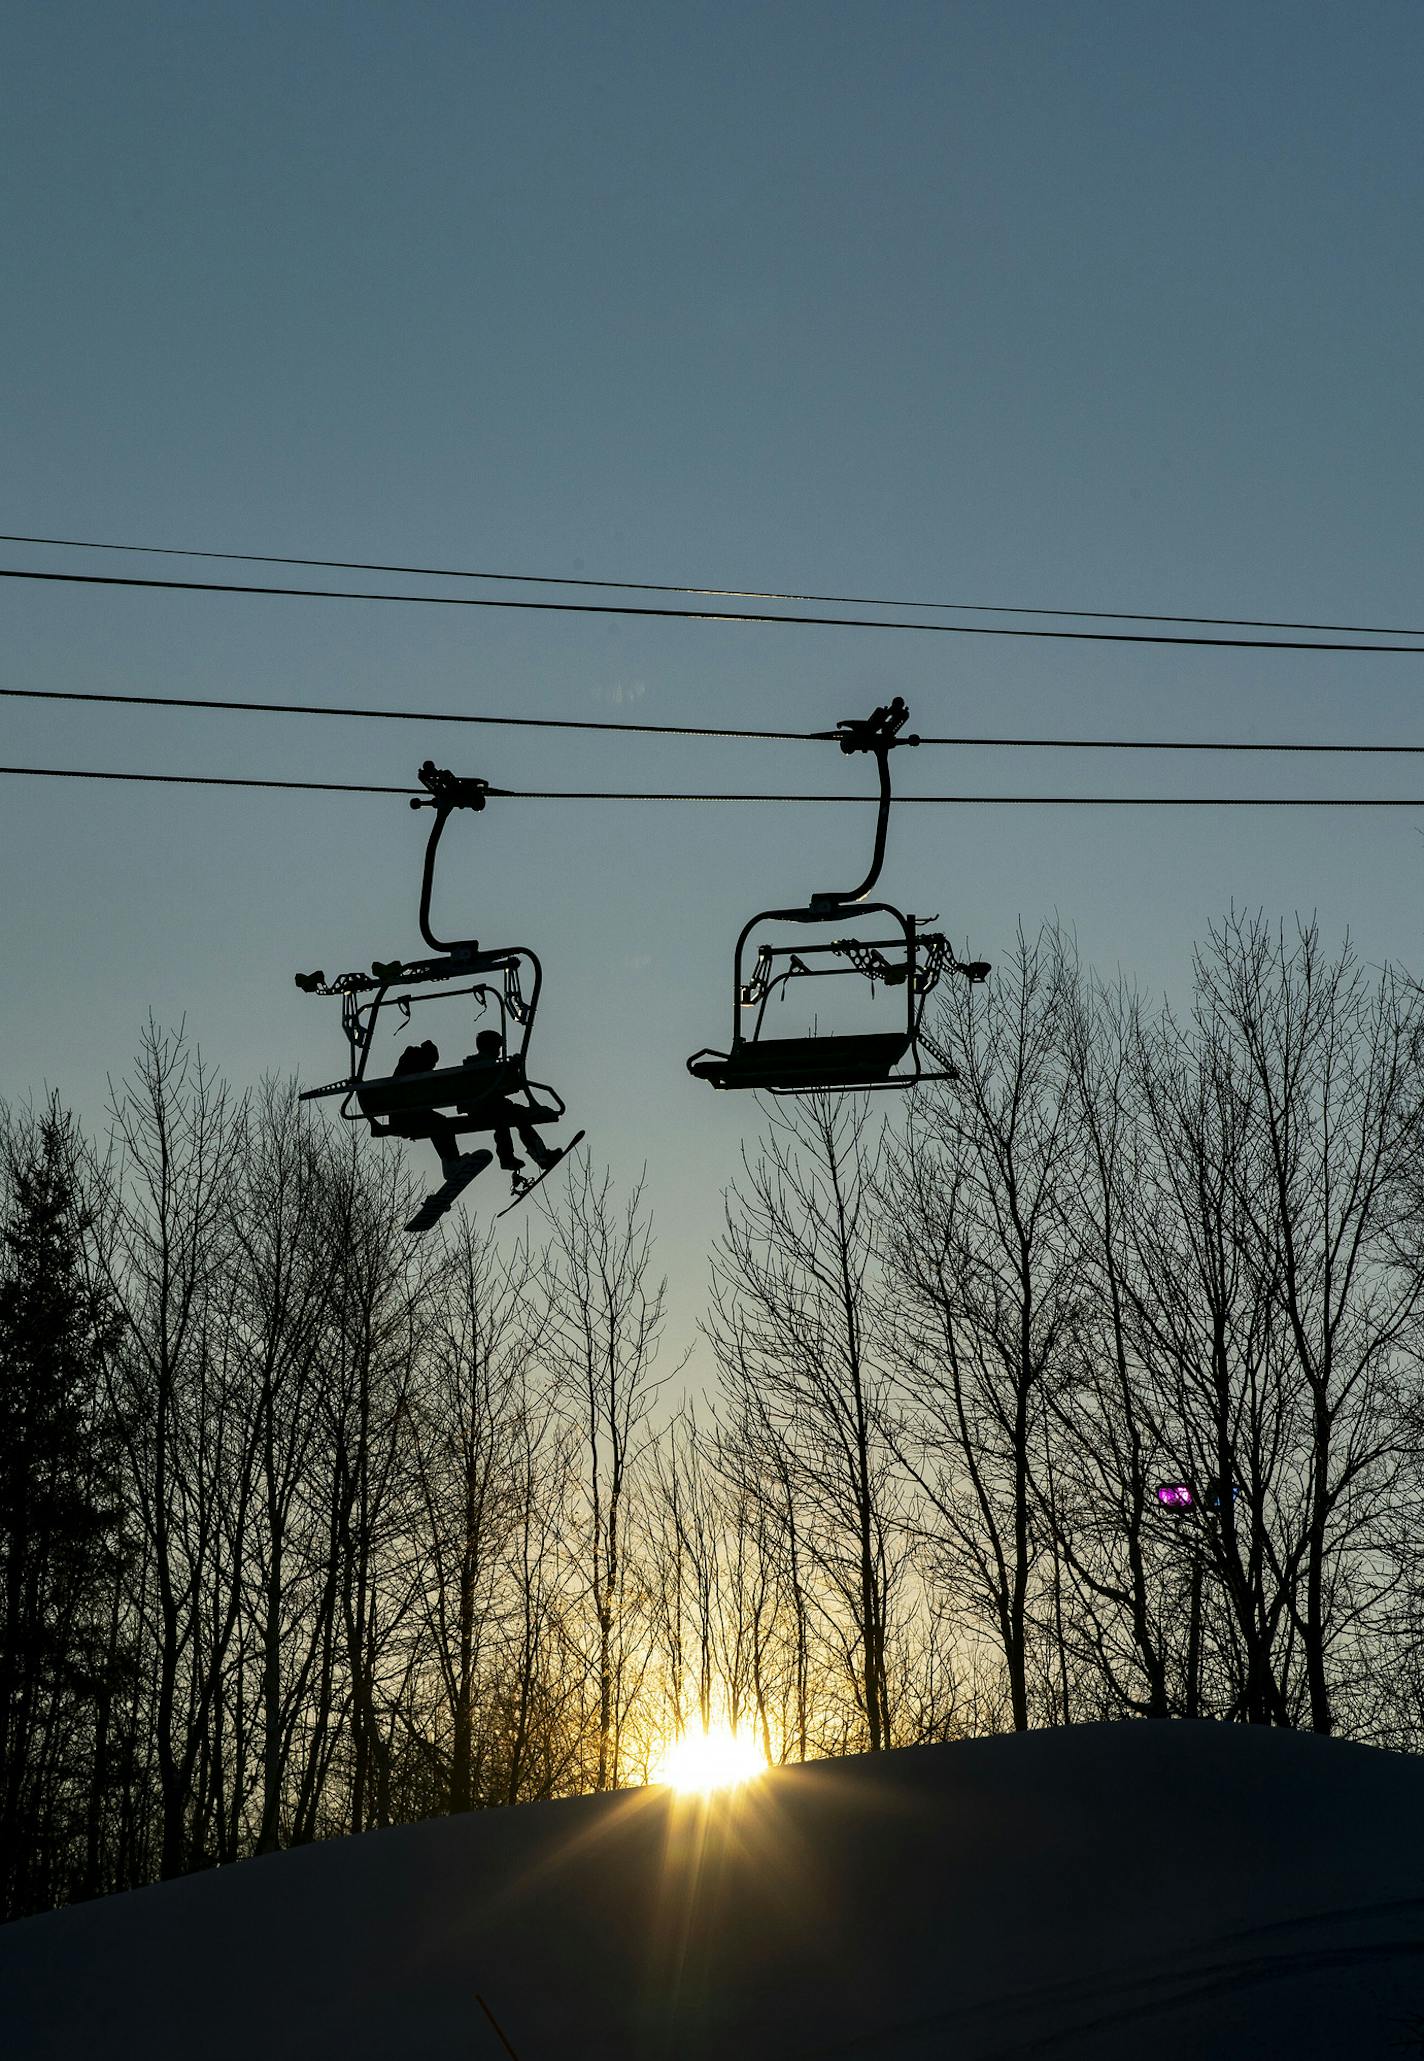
pixel 700 1761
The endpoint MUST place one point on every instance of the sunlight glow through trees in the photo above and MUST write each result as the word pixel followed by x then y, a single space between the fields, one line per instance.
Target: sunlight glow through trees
pixel 700 1761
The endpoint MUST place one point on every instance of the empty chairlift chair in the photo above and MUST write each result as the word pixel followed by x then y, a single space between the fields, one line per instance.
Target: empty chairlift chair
pixel 906 957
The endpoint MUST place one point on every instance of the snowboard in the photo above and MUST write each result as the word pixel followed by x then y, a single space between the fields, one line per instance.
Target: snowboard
pixel 455 1183
pixel 543 1174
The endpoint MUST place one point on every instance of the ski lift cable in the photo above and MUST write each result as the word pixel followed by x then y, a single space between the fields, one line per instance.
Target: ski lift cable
pixel 404 715
pixel 398 715
pixel 1067 801
pixel 200 780
pixel 446 572
pixel 1085 801
pixel 706 615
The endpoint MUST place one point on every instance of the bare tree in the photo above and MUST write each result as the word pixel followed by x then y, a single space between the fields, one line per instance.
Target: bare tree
pixel 682 1545
pixel 602 1322
pixel 803 1390
pixel 775 1574
pixel 382 1301
pixel 985 1293
pixel 277 1295
pixel 178 1141
pixel 1103 1452
pixel 539 1672
pixel 1326 1062
pixel 464 1416
pixel 1212 1388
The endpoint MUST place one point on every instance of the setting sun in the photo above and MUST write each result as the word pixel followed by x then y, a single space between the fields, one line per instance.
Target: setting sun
pixel 700 1762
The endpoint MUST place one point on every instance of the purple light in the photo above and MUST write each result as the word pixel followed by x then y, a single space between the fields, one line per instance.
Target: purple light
pixel 1176 1495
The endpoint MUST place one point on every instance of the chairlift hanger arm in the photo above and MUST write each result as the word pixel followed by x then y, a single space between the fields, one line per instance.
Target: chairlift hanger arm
pixel 446 792
pixel 877 733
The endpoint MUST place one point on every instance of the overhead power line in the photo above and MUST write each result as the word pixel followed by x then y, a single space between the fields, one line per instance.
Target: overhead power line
pixel 707 615
pixel 1170 744
pixel 999 801
pixel 399 715
pixel 402 715
pixel 991 801
pixel 201 780
pixel 450 572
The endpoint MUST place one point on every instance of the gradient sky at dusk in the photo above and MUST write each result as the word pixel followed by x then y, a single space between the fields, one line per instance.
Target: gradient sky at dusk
pixel 1079 305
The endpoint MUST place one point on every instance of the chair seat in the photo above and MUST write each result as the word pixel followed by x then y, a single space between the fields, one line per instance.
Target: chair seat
pixel 442 1087
pixel 798 1063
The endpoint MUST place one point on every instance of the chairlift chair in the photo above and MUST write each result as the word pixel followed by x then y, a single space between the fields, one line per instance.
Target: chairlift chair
pixel 910 957
pixel 486 1091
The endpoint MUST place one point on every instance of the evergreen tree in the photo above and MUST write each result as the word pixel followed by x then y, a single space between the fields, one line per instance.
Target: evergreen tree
pixel 59 1523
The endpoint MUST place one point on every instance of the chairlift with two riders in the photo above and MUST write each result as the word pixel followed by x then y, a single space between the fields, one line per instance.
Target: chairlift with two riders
pixel 489 1090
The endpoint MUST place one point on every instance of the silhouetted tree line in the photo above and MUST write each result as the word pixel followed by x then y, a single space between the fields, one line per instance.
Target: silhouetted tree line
pixel 306 1527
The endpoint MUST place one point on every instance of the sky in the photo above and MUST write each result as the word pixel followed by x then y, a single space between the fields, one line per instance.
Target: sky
pixel 1072 305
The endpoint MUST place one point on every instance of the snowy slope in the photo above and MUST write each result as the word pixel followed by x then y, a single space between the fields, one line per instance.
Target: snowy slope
pixel 1104 1892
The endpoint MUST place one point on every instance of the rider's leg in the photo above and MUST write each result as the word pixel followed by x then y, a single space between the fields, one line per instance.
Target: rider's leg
pixel 504 1149
pixel 534 1145
pixel 443 1136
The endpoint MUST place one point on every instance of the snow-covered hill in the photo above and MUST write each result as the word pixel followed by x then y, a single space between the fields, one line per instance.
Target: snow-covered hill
pixel 1104 1892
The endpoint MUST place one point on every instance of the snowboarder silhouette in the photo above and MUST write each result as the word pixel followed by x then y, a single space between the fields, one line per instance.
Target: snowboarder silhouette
pixel 424 1058
pixel 489 1046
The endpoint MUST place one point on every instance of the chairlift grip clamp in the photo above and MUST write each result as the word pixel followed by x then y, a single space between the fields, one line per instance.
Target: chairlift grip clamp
pixel 877 732
pixel 448 790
